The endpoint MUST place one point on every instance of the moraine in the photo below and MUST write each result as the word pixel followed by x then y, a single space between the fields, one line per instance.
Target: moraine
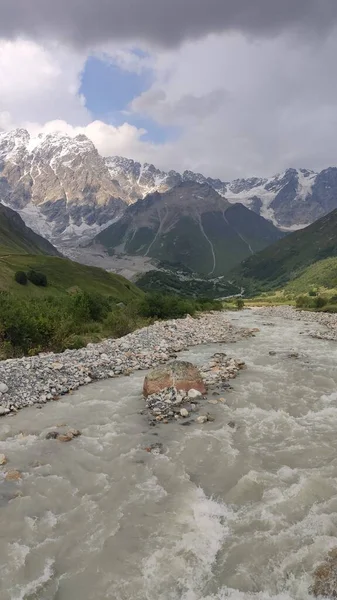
pixel 242 507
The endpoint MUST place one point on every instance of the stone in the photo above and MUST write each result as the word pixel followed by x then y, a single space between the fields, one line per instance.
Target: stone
pixel 184 412
pixel 272 353
pixel 13 476
pixel 74 432
pixel 4 411
pixel 67 437
pixel 179 374
pixel 232 424
pixel 325 577
pixel 3 387
pixel 194 394
pixel 156 448
pixel 293 355
pixel 3 459
pixel 202 419
pixel 212 401
pixel 52 435
pixel 57 366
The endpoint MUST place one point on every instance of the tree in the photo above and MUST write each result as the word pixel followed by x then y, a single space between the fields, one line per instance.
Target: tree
pixel 240 304
pixel 37 278
pixel 21 278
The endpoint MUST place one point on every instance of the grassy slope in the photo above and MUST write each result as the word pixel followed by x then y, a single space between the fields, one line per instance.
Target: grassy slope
pixel 17 238
pixel 62 275
pixel 322 274
pixel 288 259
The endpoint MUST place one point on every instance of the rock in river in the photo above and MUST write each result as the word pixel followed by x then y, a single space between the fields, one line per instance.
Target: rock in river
pixel 179 374
pixel 325 577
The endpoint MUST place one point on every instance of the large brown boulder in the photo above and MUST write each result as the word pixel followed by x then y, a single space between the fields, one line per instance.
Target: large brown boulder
pixel 325 577
pixel 179 374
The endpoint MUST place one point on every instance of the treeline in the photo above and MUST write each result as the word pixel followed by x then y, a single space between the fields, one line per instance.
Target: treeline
pixel 54 323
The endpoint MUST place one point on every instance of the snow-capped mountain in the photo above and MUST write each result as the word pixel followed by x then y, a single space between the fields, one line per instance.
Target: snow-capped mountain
pixel 60 185
pixel 65 191
pixel 290 200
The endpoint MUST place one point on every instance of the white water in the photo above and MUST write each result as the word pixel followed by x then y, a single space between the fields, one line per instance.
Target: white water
pixel 239 514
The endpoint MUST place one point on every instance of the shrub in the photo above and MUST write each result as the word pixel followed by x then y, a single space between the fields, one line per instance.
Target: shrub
pixel 37 278
pixel 240 303
pixel 166 307
pixel 320 301
pixel 312 293
pixel 21 278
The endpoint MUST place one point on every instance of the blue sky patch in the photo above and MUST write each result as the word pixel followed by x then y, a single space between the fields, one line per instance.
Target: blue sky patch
pixel 108 90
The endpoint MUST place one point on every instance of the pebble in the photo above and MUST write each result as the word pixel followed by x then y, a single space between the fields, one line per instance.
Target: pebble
pixel 184 412
pixel 194 394
pixel 3 459
pixel 47 376
pixel 202 419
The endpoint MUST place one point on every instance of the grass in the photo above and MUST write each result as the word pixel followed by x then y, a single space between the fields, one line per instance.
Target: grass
pixel 63 276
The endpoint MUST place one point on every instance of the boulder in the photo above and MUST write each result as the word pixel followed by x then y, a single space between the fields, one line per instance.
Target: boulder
pixel 179 374
pixel 3 459
pixel 325 577
pixel 13 476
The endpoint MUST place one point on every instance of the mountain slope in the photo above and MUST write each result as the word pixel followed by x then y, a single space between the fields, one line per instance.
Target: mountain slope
pixel 63 275
pixel 192 225
pixel 288 258
pixel 17 238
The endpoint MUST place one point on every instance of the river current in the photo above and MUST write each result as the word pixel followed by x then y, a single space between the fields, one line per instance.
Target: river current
pixel 243 513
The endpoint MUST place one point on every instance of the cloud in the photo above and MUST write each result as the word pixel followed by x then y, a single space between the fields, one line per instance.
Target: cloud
pixel 86 23
pixel 156 104
pixel 125 140
pixel 38 83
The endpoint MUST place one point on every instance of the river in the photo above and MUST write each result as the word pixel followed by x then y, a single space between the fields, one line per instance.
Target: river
pixel 242 513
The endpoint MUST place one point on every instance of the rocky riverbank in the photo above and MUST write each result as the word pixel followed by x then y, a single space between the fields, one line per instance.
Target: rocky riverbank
pixel 36 380
pixel 327 320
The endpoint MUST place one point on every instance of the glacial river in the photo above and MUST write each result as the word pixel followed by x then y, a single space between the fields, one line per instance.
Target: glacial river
pixel 242 513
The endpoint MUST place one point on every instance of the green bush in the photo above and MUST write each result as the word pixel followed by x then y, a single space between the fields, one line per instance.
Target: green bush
pixel 320 301
pixel 37 278
pixel 312 293
pixel 240 303
pixel 159 306
pixel 21 277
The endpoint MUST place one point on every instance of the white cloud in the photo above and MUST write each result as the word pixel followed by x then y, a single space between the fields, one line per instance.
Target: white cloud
pixel 39 83
pixel 243 107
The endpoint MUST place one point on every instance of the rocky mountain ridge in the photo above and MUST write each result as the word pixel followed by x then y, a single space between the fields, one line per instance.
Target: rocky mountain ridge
pixel 190 224
pixel 67 192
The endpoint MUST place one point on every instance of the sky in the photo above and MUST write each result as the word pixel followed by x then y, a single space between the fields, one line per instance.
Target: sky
pixel 229 88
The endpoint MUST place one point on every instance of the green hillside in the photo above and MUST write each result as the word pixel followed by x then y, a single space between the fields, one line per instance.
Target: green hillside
pixel 322 274
pixel 63 275
pixel 17 238
pixel 288 259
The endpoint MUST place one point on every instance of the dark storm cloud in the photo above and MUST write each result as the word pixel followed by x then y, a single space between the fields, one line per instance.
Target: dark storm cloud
pixel 165 22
